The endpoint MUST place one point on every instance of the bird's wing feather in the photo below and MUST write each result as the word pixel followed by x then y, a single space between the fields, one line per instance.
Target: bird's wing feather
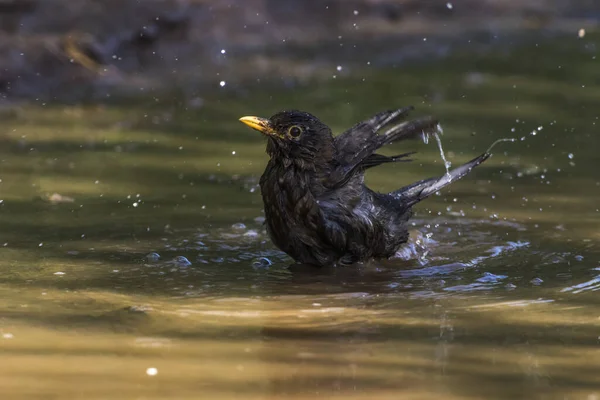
pixel 355 148
pixel 377 159
pixel 350 141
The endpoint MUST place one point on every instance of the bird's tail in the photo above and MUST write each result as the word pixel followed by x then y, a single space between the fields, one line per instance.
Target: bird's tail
pixel 418 191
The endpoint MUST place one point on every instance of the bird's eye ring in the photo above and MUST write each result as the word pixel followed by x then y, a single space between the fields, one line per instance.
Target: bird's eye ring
pixel 295 131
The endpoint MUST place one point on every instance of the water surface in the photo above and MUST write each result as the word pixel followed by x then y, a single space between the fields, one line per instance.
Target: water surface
pixel 132 238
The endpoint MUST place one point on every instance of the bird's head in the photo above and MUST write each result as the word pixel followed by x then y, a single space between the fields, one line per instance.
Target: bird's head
pixel 295 135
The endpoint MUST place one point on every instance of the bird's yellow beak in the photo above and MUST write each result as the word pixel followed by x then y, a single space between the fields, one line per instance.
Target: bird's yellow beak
pixel 260 124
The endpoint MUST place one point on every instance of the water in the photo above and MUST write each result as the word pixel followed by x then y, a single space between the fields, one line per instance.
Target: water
pixel 134 261
pixel 447 164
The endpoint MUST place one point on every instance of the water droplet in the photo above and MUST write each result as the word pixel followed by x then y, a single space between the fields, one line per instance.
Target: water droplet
pixel 223 51
pixel 339 67
pixel 447 163
pixel 491 278
pixel 152 257
pixel 571 156
pixel 449 6
pixel 262 262
pixel 222 83
pixel 181 261
pixel 238 227
pixel 151 371
pixel 251 233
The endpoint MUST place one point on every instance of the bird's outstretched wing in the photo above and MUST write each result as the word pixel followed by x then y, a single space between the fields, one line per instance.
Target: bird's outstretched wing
pixel 351 140
pixel 355 148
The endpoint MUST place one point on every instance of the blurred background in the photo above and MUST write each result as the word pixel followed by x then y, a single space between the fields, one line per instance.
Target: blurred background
pixel 87 50
pixel 134 263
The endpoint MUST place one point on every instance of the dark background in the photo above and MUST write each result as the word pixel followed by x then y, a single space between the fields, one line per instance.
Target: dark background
pixel 83 50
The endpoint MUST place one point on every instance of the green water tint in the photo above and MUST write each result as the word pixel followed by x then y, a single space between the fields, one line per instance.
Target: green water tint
pixel 494 297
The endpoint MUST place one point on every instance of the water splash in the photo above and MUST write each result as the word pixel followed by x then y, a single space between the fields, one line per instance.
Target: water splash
pixel 439 131
pixel 498 141
pixel 447 163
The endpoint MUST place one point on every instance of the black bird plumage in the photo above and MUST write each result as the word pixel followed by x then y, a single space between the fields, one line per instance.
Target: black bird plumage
pixel 317 207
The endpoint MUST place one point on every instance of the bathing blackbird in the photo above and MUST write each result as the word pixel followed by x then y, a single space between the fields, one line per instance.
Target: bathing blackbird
pixel 317 207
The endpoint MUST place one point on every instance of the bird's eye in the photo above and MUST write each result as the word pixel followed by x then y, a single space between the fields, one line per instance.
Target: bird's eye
pixel 295 131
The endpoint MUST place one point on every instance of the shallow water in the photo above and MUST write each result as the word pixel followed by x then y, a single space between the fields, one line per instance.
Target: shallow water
pixel 493 298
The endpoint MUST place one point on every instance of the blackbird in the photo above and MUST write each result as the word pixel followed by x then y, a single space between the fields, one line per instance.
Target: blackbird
pixel 318 209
